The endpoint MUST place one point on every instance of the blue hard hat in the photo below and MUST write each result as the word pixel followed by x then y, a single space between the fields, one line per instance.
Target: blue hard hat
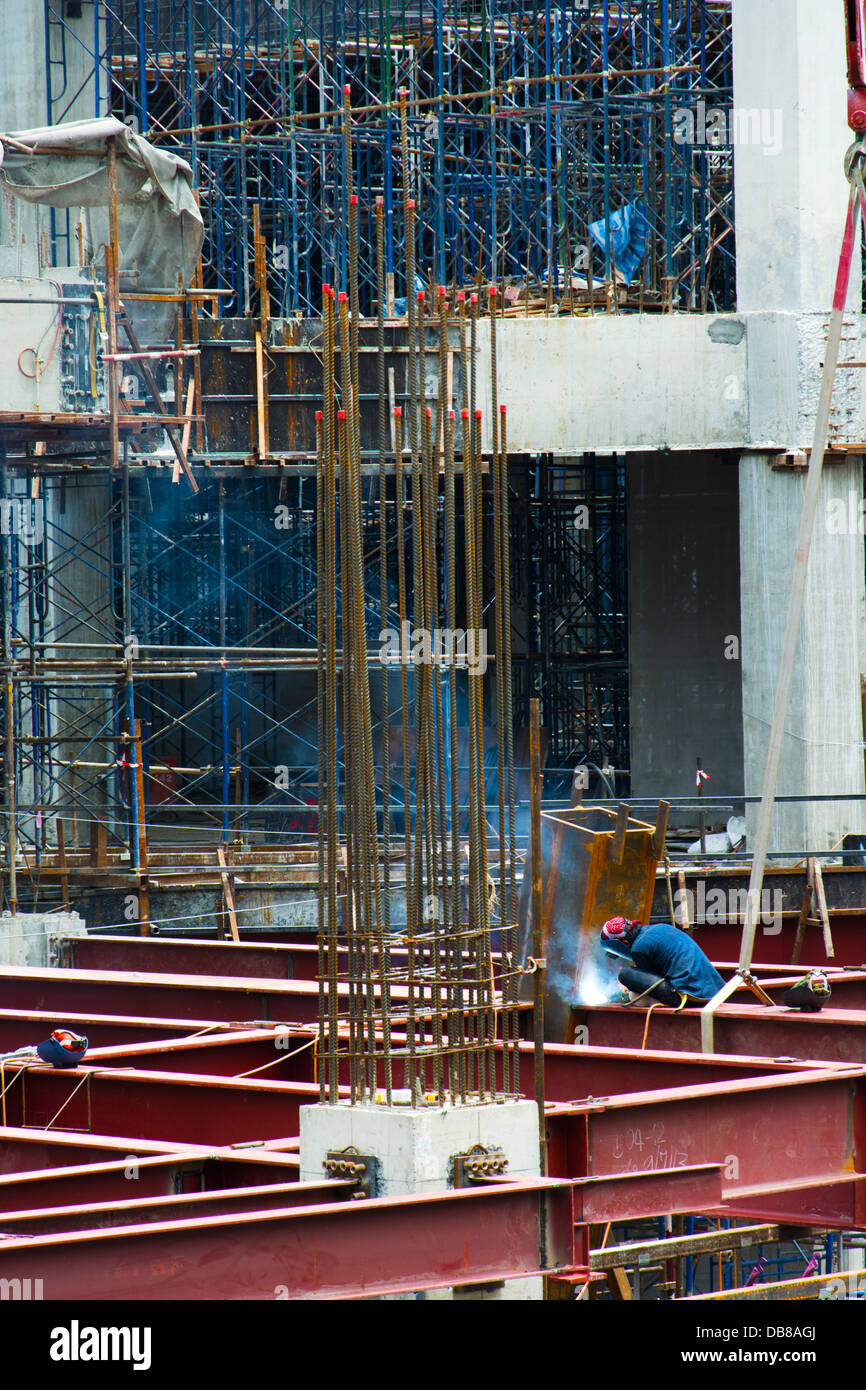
pixel 63 1049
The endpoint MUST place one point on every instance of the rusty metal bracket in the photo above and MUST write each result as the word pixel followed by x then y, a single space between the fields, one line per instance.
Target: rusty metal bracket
pixel 348 1165
pixel 478 1165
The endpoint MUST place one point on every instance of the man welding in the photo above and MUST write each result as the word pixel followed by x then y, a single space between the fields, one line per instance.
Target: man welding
pixel 661 963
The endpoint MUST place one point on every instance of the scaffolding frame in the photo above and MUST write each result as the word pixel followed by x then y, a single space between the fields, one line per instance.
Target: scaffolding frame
pixel 527 121
pixel 507 131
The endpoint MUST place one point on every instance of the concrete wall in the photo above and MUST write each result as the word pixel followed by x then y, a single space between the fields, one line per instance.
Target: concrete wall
pixel 22 66
pixel 789 64
pixel 683 608
pixel 25 106
pixel 618 382
pixel 822 753
pixel 790 208
pixel 683 382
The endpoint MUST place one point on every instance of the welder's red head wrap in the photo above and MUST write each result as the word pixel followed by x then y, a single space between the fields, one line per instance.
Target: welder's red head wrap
pixel 617 928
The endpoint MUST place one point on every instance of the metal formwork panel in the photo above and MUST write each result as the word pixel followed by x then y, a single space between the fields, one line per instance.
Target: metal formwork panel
pixel 590 873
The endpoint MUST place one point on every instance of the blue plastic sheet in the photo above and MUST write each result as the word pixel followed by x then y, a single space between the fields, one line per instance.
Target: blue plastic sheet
pixel 629 238
pixel 400 305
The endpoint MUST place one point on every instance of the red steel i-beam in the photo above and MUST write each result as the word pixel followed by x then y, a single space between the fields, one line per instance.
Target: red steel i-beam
pixel 344 1250
pixel 268 961
pixel 839 1204
pixel 19 1027
pixel 234 1052
pixel 631 1196
pixel 138 1174
pixel 138 1209
pixel 750 1030
pixel 721 941
pixel 166 955
pixel 772 1132
pixel 27 1149
pixel 166 1107
pixel 848 988
pixel 571 1072
pixel 161 996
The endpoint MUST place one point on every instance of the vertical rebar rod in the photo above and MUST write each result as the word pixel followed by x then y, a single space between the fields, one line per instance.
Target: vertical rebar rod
pixel 384 917
pixel 330 606
pixel 471 893
pixel 537 939
pixel 500 579
pixel 411 1071
pixel 456 915
pixel 321 696
pixel 358 883
pixel 383 559
pixel 484 925
pixel 434 762
pixel 509 947
pixel 419 614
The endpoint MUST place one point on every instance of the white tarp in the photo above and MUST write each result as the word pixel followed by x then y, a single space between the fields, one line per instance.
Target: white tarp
pixel 159 225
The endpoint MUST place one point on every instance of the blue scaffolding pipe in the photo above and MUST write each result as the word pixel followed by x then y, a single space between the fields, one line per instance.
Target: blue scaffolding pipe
pixel 253 93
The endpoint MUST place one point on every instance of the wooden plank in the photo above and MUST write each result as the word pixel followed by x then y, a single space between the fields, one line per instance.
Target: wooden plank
pixel 311 351
pixel 684 901
pixel 838 1287
pixel 822 909
pixel 61 853
pixel 261 272
pixel 577 788
pixel 228 893
pixel 805 910
pixel 193 294
pixel 661 829
pixel 618 1284
pixel 178 364
pixel 675 1247
pixel 187 427
pixel 98 844
pixel 616 845
pixel 261 399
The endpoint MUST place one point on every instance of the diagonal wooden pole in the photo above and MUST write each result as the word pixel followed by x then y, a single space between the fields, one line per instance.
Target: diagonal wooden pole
pixel 795 601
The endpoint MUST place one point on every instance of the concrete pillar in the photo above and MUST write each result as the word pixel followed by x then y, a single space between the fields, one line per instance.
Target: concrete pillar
pixel 22 82
pixel 789 184
pixel 414 1151
pixel 822 753
pixel 26 51
pixel 683 596
pixel 789 78
pixel 28 938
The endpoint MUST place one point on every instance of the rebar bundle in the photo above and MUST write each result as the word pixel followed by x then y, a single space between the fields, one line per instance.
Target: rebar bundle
pixel 424 999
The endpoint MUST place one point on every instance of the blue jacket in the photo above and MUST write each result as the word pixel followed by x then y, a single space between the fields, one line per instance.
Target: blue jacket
pixel 667 951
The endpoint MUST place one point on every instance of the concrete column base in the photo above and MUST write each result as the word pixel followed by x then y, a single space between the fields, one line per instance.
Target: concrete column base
pixel 415 1151
pixel 26 938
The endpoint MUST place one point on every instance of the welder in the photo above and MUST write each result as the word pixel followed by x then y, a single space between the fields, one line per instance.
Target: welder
pixel 661 964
